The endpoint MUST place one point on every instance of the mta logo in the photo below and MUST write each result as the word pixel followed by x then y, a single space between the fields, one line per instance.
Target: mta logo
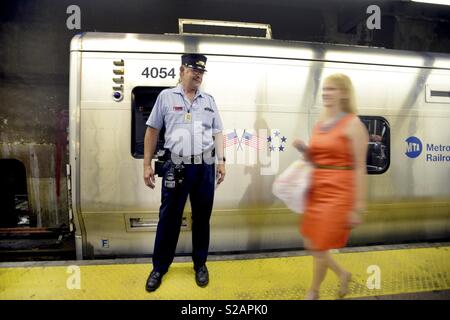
pixel 413 147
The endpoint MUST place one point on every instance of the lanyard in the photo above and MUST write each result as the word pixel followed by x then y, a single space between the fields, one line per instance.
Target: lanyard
pixel 188 116
pixel 184 101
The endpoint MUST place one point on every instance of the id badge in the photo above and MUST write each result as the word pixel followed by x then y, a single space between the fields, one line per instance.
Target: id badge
pixel 187 117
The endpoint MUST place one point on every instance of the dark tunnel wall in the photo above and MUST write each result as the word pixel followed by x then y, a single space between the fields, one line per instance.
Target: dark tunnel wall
pixel 34 55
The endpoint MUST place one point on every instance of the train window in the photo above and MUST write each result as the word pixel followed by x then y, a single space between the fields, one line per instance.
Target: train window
pixel 437 93
pixel 378 153
pixel 142 101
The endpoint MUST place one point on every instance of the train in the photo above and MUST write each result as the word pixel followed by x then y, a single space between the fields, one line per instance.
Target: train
pixel 268 93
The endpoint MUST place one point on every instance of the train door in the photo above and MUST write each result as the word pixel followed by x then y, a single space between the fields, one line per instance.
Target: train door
pixel 142 101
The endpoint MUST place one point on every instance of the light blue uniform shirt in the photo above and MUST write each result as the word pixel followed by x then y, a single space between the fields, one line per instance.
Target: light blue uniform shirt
pixel 183 137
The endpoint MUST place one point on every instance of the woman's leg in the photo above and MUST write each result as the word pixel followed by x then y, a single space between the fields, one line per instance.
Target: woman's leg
pixel 333 265
pixel 343 275
pixel 320 267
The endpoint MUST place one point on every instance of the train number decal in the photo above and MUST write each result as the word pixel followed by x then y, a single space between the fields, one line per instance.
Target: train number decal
pixel 155 72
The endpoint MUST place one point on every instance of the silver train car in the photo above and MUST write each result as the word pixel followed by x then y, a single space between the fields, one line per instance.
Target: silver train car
pixel 268 92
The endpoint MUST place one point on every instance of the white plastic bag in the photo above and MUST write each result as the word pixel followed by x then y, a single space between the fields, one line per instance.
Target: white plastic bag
pixel 292 185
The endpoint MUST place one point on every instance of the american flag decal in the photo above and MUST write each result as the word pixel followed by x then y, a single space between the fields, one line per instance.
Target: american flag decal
pixel 230 139
pixel 252 140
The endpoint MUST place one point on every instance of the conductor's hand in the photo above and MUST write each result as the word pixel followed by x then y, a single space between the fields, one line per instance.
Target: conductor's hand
pixel 149 177
pixel 220 173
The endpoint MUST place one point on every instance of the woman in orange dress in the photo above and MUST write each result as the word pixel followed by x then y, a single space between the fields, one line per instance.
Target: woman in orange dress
pixel 337 149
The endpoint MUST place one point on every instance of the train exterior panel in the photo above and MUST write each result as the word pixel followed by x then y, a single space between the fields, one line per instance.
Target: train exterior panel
pixel 268 92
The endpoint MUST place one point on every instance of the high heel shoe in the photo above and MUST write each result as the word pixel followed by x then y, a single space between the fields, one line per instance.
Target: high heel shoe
pixel 345 281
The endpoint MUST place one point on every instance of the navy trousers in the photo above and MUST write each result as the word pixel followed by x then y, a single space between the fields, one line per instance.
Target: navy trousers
pixel 198 183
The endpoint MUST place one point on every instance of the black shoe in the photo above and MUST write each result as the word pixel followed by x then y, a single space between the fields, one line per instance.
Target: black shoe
pixel 202 276
pixel 153 281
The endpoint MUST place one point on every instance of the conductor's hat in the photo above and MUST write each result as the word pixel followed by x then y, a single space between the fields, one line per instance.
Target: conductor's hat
pixel 194 61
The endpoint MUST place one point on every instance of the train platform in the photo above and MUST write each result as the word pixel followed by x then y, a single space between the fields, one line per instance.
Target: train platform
pixel 411 271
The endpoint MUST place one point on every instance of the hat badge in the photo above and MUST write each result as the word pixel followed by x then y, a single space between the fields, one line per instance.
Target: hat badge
pixel 200 62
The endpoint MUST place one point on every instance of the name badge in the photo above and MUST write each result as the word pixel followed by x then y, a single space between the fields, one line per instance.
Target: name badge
pixel 187 117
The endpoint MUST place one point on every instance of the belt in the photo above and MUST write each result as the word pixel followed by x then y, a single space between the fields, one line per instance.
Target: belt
pixel 194 159
pixel 322 166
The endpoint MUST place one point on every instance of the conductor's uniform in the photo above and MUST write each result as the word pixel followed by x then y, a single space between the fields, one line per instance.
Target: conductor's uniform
pixel 189 169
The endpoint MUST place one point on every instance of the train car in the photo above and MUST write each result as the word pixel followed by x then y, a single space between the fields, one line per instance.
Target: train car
pixel 268 92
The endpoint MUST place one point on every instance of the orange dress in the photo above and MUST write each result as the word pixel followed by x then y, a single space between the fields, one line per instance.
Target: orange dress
pixel 331 196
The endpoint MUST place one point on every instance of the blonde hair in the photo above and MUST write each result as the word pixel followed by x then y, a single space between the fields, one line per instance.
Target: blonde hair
pixel 344 83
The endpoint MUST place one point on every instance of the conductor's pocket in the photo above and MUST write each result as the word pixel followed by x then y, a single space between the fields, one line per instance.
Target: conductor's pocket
pixel 174 117
pixel 207 119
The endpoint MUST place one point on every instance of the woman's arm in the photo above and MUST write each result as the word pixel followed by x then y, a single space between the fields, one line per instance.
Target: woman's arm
pixel 301 147
pixel 359 138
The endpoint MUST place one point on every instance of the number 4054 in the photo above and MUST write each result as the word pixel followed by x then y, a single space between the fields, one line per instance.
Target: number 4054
pixel 158 72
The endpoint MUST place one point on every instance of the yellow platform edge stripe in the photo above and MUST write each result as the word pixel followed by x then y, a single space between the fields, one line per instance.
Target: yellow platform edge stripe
pixel 375 273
